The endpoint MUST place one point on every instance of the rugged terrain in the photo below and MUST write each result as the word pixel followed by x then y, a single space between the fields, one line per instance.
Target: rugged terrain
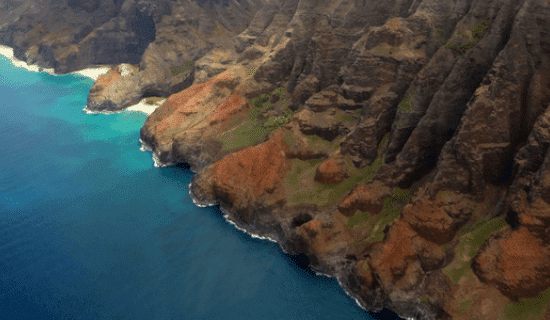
pixel 402 145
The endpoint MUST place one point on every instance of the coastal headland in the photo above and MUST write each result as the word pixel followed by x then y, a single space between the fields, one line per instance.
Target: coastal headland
pixel 402 146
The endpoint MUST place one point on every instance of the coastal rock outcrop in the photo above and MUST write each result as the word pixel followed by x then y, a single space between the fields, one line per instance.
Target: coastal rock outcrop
pixel 185 127
pixel 115 90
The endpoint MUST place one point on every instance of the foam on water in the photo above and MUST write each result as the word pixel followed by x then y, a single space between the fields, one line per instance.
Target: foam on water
pixel 90 230
pixel 92 73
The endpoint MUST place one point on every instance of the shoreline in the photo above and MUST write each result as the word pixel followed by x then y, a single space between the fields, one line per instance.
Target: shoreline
pixel 362 304
pixel 156 160
pixel 141 106
pixel 93 72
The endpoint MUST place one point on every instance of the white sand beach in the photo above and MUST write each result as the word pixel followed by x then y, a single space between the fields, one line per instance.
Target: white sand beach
pixel 92 73
pixel 144 107
pixel 8 53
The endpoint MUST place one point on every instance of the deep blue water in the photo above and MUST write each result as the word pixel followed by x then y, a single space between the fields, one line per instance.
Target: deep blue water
pixel 90 229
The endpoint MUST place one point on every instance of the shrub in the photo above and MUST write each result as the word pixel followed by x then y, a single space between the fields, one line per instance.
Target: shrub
pixel 477 32
pixel 406 104
pixel 180 69
pixel 439 33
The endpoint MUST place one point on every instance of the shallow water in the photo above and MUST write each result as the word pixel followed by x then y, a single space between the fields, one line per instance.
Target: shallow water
pixel 90 229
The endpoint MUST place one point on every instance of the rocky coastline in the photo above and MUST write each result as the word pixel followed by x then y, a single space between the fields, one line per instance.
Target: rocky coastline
pixel 402 146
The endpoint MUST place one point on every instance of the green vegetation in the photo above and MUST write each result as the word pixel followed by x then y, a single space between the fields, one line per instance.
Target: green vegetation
pixel 480 28
pixel 280 91
pixel 477 217
pixel 457 58
pixel 319 143
pixel 424 299
pixel 527 308
pixel 392 208
pixel 136 67
pixel 476 31
pixel 344 116
pixel 406 104
pixel 180 69
pixel 358 220
pixel 306 190
pixel 274 123
pixel 468 247
pixel 385 49
pixel 315 142
pixel 253 130
pixel 251 71
pixel 465 305
pixel 439 33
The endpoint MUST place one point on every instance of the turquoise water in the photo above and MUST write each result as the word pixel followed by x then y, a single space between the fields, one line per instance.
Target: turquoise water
pixel 89 229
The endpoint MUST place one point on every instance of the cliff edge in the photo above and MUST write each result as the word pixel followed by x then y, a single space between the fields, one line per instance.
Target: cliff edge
pixel 403 146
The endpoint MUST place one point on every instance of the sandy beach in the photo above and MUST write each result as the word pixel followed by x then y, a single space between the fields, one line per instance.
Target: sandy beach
pixel 144 107
pixel 92 73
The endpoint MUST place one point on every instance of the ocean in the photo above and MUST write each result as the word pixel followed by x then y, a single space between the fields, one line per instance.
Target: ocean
pixel 90 229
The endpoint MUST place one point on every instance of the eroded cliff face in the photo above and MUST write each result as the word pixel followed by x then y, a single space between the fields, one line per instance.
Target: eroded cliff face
pixel 403 146
pixel 75 34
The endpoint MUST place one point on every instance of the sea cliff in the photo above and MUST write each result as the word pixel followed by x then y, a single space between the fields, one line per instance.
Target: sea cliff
pixel 401 145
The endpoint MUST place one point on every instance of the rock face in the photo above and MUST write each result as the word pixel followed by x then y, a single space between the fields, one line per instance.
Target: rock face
pixel 162 37
pixel 73 35
pixel 114 90
pixel 403 146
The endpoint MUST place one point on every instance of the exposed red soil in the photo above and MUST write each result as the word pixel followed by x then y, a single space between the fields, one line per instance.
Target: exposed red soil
pixel 331 171
pixel 107 79
pixel 521 257
pixel 188 102
pixel 430 221
pixel 326 235
pixel 517 263
pixel 254 170
pixel 224 111
pixel 367 198
pixel 392 259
